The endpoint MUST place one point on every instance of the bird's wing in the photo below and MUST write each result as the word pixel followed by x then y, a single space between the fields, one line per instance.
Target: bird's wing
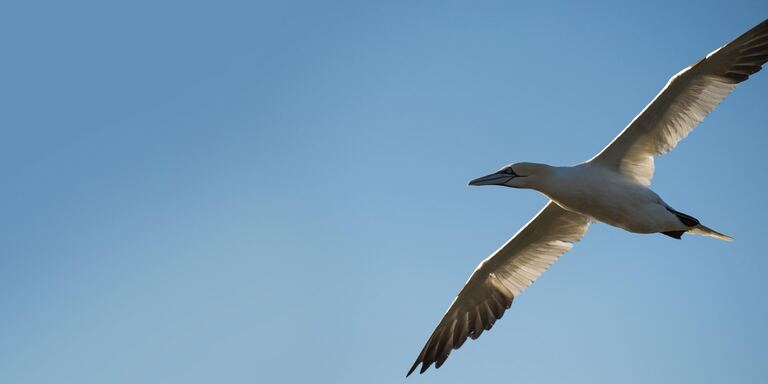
pixel 501 277
pixel 685 101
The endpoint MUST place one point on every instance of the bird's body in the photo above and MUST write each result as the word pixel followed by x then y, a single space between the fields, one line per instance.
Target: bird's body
pixel 607 196
pixel 613 187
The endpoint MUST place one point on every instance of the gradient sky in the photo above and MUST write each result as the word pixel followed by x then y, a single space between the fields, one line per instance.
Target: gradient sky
pixel 275 192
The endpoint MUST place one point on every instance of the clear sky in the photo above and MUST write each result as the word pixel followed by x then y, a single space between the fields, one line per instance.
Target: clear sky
pixel 276 192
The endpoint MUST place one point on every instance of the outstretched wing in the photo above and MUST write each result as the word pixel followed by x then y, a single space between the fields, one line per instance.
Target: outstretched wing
pixel 499 278
pixel 685 101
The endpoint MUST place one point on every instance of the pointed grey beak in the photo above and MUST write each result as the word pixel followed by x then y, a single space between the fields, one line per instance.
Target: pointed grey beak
pixel 492 179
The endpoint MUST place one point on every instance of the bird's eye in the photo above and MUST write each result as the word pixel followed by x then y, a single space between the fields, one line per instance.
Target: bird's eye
pixel 508 171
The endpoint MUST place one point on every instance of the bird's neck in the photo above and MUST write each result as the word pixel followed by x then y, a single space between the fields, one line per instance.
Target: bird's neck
pixel 536 176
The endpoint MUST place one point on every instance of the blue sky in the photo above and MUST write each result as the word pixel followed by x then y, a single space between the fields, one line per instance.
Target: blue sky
pixel 275 192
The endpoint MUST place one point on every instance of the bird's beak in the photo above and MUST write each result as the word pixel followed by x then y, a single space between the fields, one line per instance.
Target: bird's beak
pixel 492 179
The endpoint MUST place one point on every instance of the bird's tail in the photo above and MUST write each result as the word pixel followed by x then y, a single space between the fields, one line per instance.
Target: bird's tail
pixel 700 229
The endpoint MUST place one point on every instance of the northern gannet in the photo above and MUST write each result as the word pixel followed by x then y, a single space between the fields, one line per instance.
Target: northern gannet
pixel 612 187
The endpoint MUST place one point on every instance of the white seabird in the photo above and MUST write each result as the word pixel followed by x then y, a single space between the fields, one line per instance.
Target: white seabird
pixel 612 187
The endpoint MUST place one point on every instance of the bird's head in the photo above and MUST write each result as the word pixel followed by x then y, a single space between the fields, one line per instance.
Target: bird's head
pixel 517 175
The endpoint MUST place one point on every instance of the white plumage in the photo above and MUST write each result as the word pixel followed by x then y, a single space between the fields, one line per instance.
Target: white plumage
pixel 612 187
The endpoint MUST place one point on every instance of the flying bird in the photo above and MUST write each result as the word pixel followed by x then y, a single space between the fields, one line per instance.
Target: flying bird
pixel 612 187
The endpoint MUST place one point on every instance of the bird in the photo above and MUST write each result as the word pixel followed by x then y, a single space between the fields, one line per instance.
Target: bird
pixel 612 187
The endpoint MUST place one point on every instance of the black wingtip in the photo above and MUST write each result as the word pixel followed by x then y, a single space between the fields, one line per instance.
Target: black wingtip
pixel 424 367
pixel 413 368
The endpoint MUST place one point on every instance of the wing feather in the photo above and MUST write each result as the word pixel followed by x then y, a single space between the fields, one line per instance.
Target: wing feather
pixel 683 103
pixel 499 278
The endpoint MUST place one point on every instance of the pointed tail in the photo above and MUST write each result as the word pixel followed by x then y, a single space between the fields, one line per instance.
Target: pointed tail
pixel 701 229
